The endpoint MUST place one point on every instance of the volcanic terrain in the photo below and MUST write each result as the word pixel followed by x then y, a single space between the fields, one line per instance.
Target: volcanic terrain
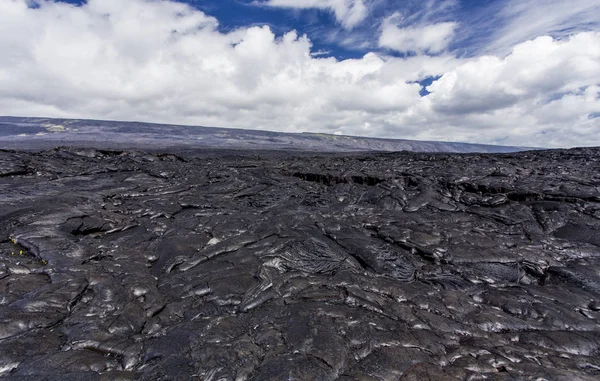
pixel 263 265
pixel 47 133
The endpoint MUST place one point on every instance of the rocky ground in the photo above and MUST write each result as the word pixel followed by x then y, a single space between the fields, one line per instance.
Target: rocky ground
pixel 267 266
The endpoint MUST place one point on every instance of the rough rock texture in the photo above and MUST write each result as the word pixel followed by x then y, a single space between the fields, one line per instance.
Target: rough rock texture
pixel 267 266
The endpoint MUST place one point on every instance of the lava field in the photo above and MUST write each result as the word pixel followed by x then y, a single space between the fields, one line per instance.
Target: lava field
pixel 241 265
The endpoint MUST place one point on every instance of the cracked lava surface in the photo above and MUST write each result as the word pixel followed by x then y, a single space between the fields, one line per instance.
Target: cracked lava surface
pixel 223 265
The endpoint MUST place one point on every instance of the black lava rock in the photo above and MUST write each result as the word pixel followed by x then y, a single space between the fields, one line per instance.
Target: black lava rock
pixel 247 265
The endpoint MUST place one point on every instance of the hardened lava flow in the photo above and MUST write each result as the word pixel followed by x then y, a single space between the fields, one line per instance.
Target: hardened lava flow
pixel 241 265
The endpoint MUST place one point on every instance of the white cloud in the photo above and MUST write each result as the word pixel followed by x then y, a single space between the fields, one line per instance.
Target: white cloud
pixel 433 38
pixel 162 61
pixel 522 20
pixel 541 93
pixel 349 13
pixel 534 70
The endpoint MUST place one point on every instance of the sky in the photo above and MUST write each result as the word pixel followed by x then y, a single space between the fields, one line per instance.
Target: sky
pixel 509 72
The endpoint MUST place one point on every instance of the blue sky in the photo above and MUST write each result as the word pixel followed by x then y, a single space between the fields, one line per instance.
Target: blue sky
pixel 479 21
pixel 491 71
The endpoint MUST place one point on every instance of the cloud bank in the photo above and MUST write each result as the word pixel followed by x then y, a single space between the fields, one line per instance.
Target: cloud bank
pixel 164 61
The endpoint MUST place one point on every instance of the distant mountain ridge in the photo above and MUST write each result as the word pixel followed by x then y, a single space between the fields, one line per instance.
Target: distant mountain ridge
pixel 43 133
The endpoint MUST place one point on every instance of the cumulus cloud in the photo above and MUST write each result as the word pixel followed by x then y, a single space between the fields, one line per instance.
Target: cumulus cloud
pixel 535 70
pixel 163 61
pixel 432 38
pixel 349 13
pixel 545 87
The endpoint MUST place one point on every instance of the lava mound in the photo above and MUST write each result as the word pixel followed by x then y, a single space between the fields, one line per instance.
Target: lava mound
pixel 247 265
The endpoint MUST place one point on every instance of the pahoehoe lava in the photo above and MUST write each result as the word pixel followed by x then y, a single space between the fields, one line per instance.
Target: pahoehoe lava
pixel 241 265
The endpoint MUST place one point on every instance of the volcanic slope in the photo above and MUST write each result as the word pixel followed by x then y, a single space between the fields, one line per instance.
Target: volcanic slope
pixel 44 133
pixel 216 265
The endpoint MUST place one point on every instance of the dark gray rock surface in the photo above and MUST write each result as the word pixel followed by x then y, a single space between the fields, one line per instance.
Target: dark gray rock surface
pixel 218 265
pixel 45 133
